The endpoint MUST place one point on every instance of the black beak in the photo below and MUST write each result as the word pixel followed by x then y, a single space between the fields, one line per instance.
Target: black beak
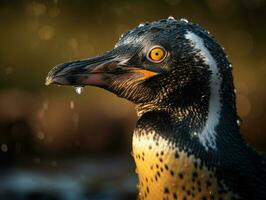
pixel 98 71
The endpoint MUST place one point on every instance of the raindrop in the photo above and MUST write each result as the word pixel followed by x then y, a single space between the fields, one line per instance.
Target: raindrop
pixel 230 66
pixel 4 148
pixel 235 91
pixel 72 105
pixel 195 133
pixel 184 20
pixel 171 18
pixel 238 121
pixel 79 90
pixel 141 25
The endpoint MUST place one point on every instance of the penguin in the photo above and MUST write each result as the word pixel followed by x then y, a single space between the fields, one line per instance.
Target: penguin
pixel 187 143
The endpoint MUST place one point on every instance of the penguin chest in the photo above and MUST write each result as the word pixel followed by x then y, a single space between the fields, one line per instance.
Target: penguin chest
pixel 165 172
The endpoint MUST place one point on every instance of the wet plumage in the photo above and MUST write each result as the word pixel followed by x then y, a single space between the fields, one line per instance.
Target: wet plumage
pixel 186 143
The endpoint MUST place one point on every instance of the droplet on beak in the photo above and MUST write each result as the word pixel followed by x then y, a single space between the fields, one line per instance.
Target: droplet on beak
pixel 79 89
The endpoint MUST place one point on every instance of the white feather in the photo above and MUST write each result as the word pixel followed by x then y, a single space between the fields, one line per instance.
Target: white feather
pixel 208 135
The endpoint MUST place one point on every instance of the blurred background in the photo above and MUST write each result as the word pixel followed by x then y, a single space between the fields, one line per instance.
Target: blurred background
pixel 56 144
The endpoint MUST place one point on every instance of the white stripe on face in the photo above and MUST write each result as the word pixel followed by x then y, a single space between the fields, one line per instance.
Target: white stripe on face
pixel 208 135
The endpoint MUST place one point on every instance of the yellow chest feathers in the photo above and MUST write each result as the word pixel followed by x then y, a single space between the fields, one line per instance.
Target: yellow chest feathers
pixel 166 173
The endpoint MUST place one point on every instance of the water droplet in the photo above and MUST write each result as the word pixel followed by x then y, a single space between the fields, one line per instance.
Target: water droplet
pixel 141 25
pixel 230 65
pixel 235 90
pixel 171 18
pixel 72 105
pixel 4 148
pixel 79 90
pixel 183 20
pixel 40 135
pixel 238 122
pixel 195 133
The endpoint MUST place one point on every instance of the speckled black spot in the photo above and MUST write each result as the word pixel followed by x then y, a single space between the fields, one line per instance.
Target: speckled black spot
pixel 166 190
pixel 172 173
pixel 208 183
pixel 199 183
pixel 196 165
pixel 195 174
pixel 176 155
pixel 181 176
pixel 175 195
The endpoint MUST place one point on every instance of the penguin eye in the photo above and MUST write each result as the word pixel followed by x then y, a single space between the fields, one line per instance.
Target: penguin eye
pixel 156 54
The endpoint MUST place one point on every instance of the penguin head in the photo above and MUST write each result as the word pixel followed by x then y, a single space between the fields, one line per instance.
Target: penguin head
pixel 164 63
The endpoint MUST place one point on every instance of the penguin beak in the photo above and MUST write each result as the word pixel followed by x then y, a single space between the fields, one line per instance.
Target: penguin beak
pixel 99 71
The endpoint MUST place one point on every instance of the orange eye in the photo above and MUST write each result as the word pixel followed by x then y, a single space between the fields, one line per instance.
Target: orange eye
pixel 157 54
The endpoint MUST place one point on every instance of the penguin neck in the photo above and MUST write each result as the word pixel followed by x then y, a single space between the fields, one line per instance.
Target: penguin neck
pixel 207 119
